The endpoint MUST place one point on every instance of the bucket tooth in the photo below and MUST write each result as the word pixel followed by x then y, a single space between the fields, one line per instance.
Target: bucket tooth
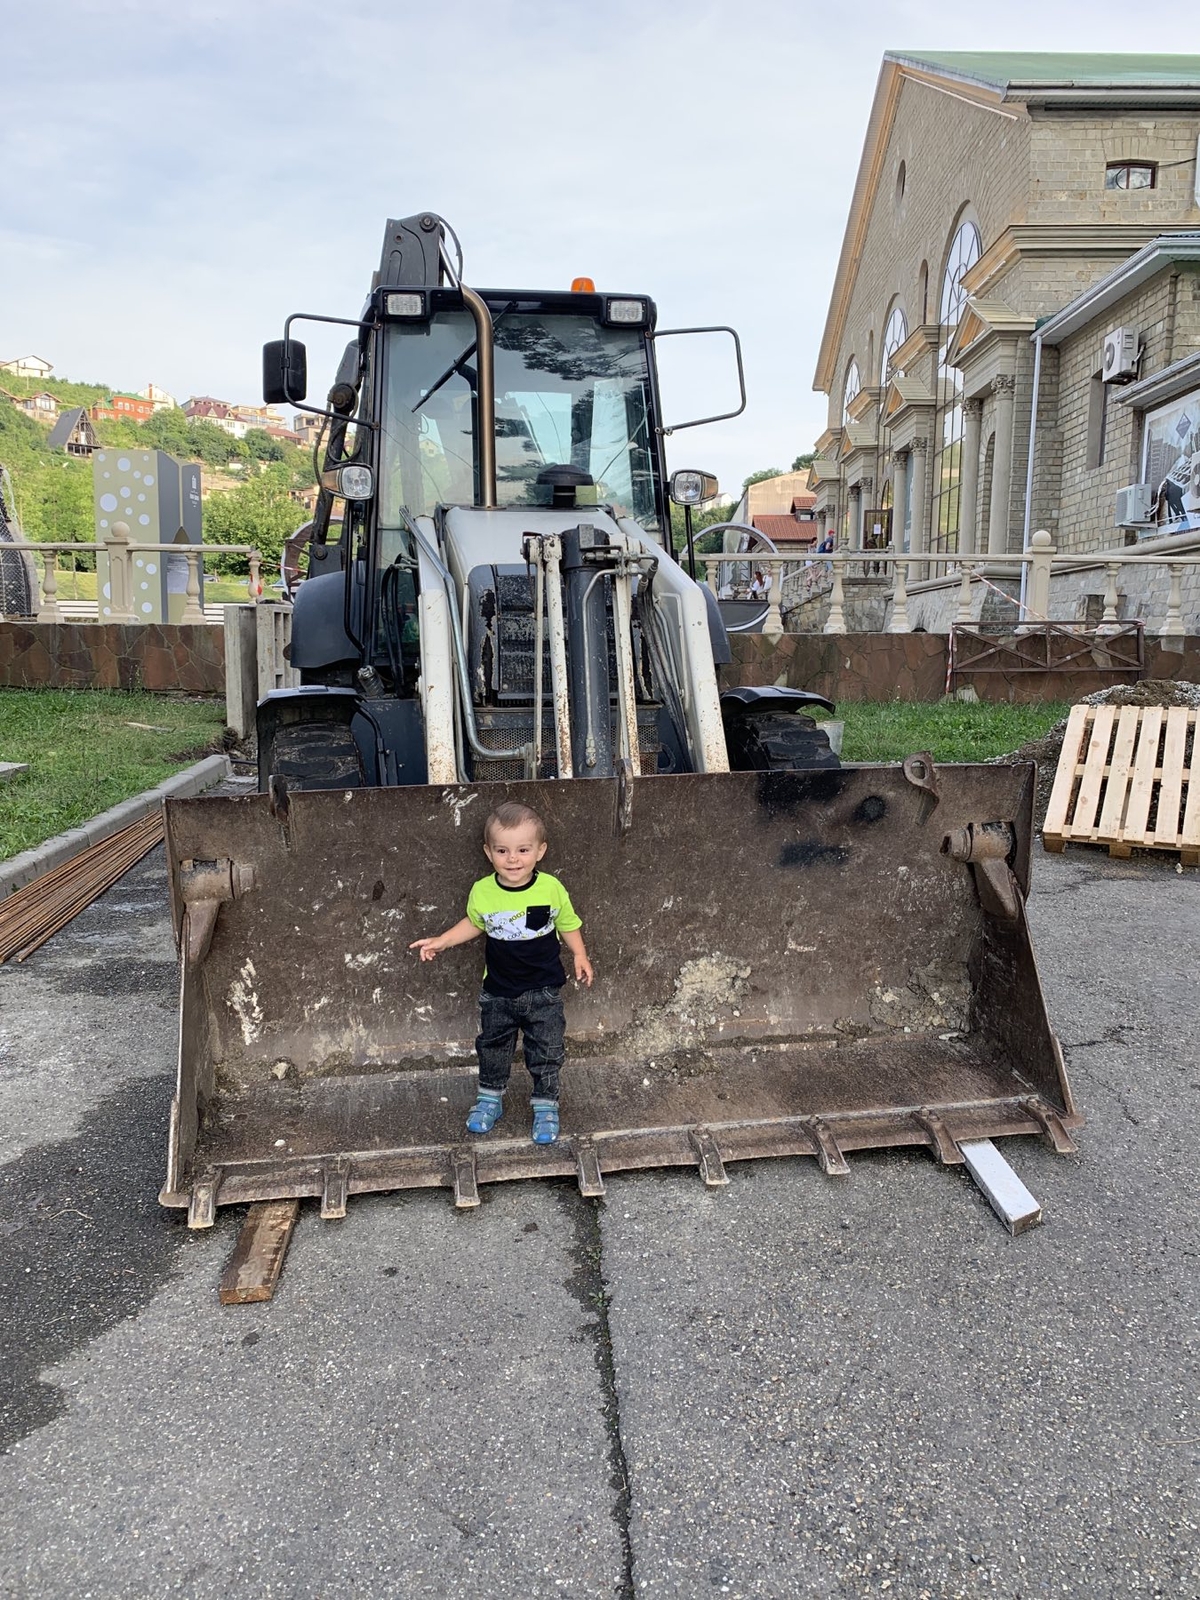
pixel 712 1168
pixel 202 1207
pixel 1051 1123
pixel 833 1162
pixel 466 1186
pixel 587 1170
pixel 940 1138
pixel 335 1189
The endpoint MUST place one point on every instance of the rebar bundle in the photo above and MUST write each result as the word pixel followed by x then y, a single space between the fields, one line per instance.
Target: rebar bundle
pixel 35 913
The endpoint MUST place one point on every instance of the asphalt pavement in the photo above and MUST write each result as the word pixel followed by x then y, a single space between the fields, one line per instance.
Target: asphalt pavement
pixel 794 1386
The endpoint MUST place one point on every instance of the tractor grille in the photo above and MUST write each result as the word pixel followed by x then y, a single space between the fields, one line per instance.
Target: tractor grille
pixel 504 730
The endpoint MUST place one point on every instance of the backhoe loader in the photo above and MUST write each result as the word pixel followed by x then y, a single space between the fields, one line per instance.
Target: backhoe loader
pixel 791 956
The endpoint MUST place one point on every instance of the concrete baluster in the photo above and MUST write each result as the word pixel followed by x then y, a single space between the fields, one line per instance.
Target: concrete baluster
pixel 711 572
pixel 1041 559
pixel 899 622
pixel 836 620
pixel 963 614
pixel 773 621
pixel 193 611
pixel 1108 622
pixel 48 606
pixel 1172 632
pixel 255 584
pixel 120 573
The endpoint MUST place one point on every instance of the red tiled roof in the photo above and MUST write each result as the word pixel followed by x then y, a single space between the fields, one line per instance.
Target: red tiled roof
pixel 783 529
pixel 803 502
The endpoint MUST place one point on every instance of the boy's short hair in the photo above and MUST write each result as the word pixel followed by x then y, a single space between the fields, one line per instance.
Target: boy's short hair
pixel 512 814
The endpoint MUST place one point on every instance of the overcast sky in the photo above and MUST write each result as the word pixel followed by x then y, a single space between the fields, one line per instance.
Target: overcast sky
pixel 175 179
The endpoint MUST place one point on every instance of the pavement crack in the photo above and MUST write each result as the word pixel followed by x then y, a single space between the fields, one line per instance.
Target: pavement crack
pixel 587 1283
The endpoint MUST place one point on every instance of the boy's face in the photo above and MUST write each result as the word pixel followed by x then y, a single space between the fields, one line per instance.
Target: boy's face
pixel 514 852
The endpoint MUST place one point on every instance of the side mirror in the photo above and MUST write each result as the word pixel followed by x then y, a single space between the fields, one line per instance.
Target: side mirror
pixel 690 488
pixel 285 372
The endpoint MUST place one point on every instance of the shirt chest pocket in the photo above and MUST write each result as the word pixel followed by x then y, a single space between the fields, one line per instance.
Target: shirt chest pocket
pixel 537 919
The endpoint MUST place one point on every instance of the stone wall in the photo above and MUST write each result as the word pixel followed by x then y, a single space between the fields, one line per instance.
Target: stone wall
pixel 1166 314
pixel 160 657
pixel 912 666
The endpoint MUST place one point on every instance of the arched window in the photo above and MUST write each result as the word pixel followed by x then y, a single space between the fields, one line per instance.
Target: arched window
pixel 853 385
pixel 965 251
pixel 894 335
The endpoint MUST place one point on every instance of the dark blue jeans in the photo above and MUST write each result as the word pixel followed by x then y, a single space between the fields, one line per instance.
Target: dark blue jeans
pixel 539 1018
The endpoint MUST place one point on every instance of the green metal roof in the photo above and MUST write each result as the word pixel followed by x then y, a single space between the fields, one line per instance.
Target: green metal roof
pixel 1004 69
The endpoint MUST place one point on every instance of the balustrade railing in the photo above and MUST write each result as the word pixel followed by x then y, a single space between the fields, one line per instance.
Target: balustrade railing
pixel 120 603
pixel 796 577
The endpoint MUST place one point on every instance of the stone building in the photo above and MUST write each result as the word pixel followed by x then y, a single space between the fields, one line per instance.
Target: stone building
pixel 1011 212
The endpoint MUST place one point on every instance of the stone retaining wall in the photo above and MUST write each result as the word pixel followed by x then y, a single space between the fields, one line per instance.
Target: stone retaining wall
pixel 113 655
pixel 912 666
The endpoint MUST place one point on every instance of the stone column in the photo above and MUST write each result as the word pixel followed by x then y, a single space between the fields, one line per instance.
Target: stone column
pixel 1002 388
pixel 968 499
pixel 856 511
pixel 866 489
pixel 899 496
pixel 920 511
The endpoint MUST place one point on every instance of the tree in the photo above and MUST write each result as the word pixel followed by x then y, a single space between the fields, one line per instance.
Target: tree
pixel 721 512
pixel 260 443
pixel 761 477
pixel 259 512
pixel 802 463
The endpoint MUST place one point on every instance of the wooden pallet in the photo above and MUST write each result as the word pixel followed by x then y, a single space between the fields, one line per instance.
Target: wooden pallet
pixel 1124 780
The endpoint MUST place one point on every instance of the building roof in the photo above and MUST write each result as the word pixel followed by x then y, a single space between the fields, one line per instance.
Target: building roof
pixel 1017 72
pixel 787 530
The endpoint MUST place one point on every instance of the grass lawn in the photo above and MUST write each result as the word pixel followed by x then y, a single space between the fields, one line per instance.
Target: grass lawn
pixel 84 755
pixel 217 590
pixel 954 731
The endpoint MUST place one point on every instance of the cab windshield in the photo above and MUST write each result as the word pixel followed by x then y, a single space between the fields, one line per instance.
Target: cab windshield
pixel 569 392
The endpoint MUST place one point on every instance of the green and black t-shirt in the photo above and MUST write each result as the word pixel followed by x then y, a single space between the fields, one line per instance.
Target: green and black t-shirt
pixel 522 927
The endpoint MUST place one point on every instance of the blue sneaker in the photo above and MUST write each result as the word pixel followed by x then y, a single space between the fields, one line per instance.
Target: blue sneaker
pixel 545 1121
pixel 485 1113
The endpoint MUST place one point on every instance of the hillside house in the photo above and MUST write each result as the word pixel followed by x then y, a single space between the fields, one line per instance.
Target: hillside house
pixel 74 433
pixel 28 367
pixel 125 407
pixel 42 407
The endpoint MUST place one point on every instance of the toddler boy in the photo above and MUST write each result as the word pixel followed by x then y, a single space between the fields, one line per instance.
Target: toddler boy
pixel 524 914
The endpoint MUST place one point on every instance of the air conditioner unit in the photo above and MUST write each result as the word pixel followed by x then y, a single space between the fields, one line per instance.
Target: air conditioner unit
pixel 1120 355
pixel 1135 505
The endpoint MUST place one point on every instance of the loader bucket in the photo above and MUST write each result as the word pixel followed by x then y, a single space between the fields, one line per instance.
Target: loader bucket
pixel 786 964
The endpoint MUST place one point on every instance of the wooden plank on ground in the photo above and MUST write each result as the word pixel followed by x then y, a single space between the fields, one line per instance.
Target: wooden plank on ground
pixel 1058 810
pixel 1170 788
pixel 1112 816
pixel 1083 824
pixel 1145 770
pixel 257 1260
pixel 1189 838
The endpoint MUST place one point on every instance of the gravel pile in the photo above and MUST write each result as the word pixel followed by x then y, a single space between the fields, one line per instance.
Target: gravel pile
pixel 1150 692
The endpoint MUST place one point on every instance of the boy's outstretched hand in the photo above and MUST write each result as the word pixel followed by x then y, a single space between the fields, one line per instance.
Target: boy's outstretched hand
pixel 461 933
pixel 428 947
